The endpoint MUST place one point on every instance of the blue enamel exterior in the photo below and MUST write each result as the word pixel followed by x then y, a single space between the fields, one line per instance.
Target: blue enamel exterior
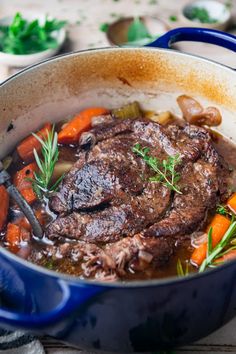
pixel 197 35
pixel 120 317
pixel 126 318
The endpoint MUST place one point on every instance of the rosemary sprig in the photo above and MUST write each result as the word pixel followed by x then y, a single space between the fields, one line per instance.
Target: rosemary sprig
pixel 165 170
pixel 46 165
pixel 224 253
pixel 180 271
pixel 218 250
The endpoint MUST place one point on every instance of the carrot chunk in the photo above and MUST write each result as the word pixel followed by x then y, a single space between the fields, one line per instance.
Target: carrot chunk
pixel 231 203
pixel 219 225
pixel 199 254
pixel 4 198
pixel 25 186
pixel 14 236
pixel 71 132
pixel 26 148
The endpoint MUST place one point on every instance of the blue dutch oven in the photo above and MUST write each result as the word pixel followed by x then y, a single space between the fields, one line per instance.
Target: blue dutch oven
pixel 125 317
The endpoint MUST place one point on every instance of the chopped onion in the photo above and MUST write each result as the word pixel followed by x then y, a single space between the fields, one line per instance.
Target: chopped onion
pixel 145 256
pixel 197 238
pixel 106 118
pixel 189 107
pixel 162 118
pixel 194 113
pixel 210 116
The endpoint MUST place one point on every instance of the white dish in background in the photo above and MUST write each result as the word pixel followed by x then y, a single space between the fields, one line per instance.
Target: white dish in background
pixel 21 60
pixel 117 30
pixel 217 10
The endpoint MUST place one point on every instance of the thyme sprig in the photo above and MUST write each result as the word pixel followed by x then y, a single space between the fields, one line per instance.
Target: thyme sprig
pixel 220 249
pixel 165 170
pixel 46 165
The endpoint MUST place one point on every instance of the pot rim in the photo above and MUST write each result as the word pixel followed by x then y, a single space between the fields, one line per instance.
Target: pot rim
pixel 115 48
pixel 122 284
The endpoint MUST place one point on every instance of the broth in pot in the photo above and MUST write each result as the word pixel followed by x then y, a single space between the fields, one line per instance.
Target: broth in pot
pixel 125 194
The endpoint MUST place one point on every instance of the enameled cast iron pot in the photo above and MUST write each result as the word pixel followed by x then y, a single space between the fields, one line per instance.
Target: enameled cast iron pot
pixel 139 316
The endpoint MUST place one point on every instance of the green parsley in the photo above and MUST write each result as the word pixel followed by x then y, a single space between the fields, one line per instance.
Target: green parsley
pixel 138 33
pixel 28 37
pixel 104 27
pixel 173 18
pixel 200 14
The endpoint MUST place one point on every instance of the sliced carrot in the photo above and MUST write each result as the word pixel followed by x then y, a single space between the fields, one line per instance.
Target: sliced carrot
pixel 219 225
pixel 199 254
pixel 71 132
pixel 25 186
pixel 229 256
pixel 26 148
pixel 4 200
pixel 29 195
pixel 14 235
pixel 231 203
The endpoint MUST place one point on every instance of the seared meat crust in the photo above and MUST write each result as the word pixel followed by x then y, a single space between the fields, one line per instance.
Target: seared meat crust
pixel 107 202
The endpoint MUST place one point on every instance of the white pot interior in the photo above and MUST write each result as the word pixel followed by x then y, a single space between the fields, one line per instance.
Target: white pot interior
pixel 111 77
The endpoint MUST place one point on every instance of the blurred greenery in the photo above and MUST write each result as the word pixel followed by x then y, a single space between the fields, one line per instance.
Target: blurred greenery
pixel 28 37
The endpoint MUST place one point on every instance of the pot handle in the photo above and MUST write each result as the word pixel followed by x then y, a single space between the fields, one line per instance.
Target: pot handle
pixel 222 39
pixel 67 304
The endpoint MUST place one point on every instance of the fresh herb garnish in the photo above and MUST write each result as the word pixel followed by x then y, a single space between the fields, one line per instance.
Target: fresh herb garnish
pixel 200 14
pixel 219 249
pixel 165 170
pixel 173 18
pixel 137 30
pixel 180 271
pixel 223 210
pixel 104 27
pixel 25 37
pixel 138 33
pixel 46 165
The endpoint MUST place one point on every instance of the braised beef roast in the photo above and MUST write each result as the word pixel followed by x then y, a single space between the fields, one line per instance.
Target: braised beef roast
pixel 112 218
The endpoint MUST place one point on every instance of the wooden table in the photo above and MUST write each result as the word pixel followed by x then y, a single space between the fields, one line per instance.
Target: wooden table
pixel 84 19
pixel 222 341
